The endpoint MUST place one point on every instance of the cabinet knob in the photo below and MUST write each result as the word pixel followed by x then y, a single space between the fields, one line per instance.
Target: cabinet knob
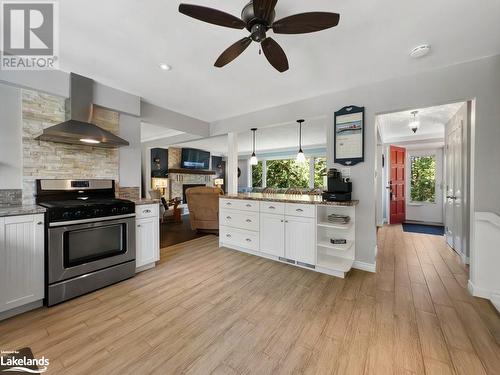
pixel 138 225
pixel 228 217
pixel 286 221
pixel 228 235
pixel 299 210
pixel 39 223
pixel 282 220
pixel 228 203
pixel 248 220
pixel 272 207
pixel 146 211
pixel 248 240
pixel 248 205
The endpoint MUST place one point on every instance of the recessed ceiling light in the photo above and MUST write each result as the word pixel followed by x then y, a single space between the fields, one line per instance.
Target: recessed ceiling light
pixel 420 51
pixel 164 66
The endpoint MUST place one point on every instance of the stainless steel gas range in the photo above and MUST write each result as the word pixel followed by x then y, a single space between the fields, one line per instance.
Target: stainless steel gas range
pixel 90 237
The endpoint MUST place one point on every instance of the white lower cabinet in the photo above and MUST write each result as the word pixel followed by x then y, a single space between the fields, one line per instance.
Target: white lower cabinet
pixel 21 260
pixel 300 235
pixel 147 240
pixel 272 234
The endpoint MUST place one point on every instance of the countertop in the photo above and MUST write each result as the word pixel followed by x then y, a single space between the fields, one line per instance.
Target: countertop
pixel 289 198
pixel 16 210
pixel 139 202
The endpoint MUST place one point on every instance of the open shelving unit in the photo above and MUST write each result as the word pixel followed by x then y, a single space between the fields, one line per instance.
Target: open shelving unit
pixel 335 259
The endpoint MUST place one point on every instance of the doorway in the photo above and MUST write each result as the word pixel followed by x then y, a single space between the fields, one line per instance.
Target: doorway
pixel 424 176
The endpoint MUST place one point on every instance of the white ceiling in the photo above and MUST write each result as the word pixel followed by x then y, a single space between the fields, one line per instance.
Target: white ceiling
pixel 121 42
pixel 267 139
pixel 151 132
pixel 394 126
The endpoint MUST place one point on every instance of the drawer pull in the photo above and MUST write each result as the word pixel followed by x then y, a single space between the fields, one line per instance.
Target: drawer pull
pixel 228 217
pixel 248 205
pixel 248 240
pixel 146 211
pixel 228 235
pixel 272 207
pixel 299 210
pixel 39 223
pixel 282 220
pixel 228 203
pixel 138 225
pixel 248 220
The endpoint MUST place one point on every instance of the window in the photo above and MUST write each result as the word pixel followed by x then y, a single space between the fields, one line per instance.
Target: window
pixel 319 172
pixel 423 178
pixel 287 173
pixel 257 175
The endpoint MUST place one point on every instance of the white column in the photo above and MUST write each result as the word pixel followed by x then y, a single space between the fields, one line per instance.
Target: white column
pixel 232 163
pixel 311 172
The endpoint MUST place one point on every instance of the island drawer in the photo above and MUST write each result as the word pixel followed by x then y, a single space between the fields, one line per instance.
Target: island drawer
pixel 239 204
pixel 239 237
pixel 303 210
pixel 272 208
pixel 239 219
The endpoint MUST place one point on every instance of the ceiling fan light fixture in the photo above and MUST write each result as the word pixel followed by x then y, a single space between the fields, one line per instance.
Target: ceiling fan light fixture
pixel 414 124
pixel 253 158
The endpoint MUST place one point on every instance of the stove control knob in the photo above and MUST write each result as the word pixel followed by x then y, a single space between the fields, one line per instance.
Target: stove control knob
pixel 114 210
pixel 97 211
pixel 124 209
pixel 78 214
pixel 65 215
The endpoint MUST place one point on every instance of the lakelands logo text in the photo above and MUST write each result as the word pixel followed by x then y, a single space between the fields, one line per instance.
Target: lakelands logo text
pixel 22 361
pixel 30 33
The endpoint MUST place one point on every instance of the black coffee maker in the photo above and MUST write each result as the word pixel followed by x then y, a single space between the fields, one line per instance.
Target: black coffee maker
pixel 339 188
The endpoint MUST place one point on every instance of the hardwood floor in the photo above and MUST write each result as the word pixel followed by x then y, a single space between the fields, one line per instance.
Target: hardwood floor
pixel 205 310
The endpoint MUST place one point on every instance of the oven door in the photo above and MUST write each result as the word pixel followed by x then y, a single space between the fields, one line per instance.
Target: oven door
pixel 85 246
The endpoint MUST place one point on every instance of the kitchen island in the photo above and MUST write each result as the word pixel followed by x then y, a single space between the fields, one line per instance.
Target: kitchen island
pixel 302 230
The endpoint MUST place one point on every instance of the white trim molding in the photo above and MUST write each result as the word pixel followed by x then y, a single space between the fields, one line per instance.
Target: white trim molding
pixel 369 267
pixel 485 280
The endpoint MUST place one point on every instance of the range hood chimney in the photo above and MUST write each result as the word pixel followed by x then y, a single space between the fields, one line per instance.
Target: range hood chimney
pixel 78 129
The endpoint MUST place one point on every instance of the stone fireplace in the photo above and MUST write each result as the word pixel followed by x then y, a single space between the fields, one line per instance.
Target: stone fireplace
pixel 181 179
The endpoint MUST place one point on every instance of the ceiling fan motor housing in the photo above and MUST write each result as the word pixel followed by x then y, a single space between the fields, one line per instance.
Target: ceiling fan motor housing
pixel 248 15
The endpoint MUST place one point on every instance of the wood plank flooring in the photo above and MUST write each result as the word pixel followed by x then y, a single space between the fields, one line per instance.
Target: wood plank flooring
pixel 205 310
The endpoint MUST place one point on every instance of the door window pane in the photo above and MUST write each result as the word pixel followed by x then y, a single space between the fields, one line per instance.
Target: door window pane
pixel 423 178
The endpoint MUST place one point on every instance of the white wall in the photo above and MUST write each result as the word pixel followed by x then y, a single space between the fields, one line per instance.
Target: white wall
pixel 130 156
pixel 11 151
pixel 478 79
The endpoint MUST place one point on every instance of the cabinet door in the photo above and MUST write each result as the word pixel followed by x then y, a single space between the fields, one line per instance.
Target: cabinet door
pixel 147 241
pixel 21 260
pixel 300 235
pixel 272 234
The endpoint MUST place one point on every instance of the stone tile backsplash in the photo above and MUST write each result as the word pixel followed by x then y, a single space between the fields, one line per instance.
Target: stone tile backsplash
pixel 11 197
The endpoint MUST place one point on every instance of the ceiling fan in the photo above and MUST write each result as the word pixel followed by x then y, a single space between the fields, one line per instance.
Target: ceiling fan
pixel 258 17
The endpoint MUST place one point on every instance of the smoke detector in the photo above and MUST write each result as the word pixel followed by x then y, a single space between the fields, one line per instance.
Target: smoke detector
pixel 420 51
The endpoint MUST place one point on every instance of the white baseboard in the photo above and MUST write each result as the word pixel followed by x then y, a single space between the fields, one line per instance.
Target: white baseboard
pixel 493 296
pixel 20 310
pixel 369 267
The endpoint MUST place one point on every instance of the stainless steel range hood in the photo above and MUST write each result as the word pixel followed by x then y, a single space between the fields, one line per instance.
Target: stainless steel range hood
pixel 78 129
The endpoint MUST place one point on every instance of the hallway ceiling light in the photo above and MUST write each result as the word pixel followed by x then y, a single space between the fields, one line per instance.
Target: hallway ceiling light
pixel 414 123
pixel 420 51
pixel 164 66
pixel 301 158
pixel 253 159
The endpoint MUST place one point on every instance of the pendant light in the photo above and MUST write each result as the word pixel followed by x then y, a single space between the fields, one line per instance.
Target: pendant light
pixel 253 159
pixel 414 123
pixel 301 158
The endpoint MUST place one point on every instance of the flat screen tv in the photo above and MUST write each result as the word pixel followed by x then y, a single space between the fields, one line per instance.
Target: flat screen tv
pixel 195 159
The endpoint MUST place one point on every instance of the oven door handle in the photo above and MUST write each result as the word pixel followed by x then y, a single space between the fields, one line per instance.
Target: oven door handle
pixel 93 220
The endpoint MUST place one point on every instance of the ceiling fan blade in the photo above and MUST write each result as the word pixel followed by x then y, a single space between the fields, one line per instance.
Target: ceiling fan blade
pixel 213 16
pixel 263 8
pixel 275 54
pixel 306 23
pixel 233 52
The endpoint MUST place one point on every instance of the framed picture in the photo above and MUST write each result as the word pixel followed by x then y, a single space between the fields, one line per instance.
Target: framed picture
pixel 349 123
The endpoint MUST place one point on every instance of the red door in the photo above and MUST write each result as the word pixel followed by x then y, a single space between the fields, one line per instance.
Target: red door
pixel 397 185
